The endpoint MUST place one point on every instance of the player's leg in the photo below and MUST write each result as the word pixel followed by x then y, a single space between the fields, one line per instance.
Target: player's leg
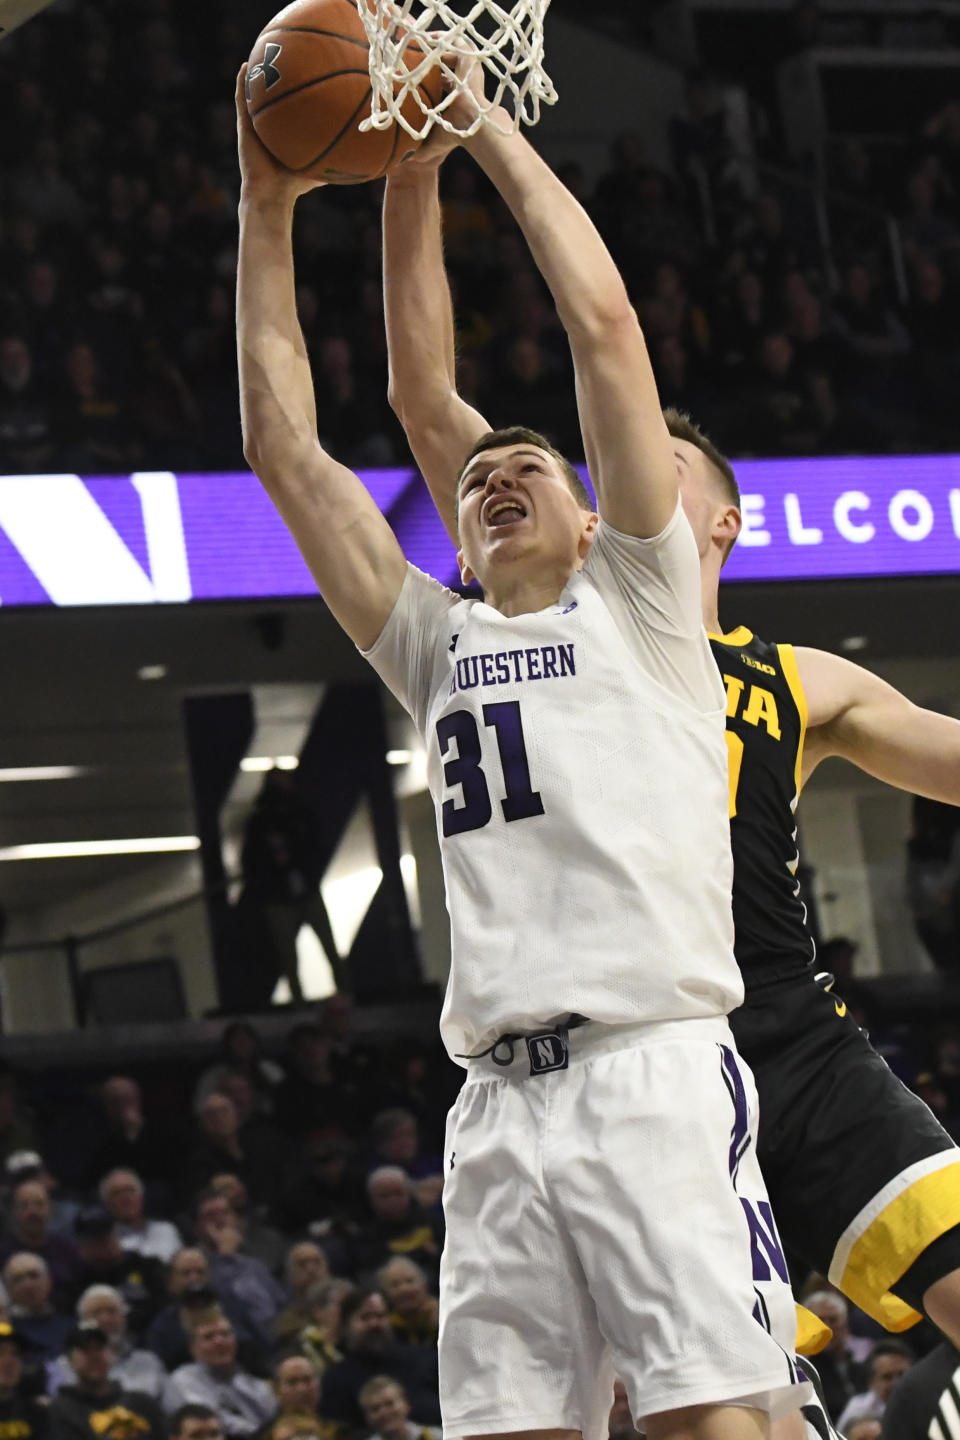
pixel 644 1170
pixel 709 1422
pixel 881 1217
pixel 789 1427
pixel 520 1349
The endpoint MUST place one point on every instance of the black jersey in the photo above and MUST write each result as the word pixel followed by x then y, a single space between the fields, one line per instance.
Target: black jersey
pixel 766 721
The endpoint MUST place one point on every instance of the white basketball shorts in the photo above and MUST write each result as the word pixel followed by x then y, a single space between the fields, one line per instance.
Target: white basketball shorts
pixel 610 1217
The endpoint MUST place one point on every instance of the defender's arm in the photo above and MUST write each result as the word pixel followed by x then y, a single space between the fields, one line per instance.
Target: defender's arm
pixel 440 427
pixel 855 714
pixel 349 547
pixel 629 451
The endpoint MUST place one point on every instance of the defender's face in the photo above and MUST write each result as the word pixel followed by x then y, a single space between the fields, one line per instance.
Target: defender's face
pixel 703 503
pixel 515 503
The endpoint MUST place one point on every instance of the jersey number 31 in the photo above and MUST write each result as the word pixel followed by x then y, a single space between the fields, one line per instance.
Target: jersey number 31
pixel 465 769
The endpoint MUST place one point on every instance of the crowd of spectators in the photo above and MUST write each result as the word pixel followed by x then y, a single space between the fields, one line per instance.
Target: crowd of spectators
pixel 262 1261
pixel 251 1248
pixel 118 187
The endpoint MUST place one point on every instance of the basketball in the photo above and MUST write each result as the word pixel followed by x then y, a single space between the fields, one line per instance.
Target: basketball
pixel 308 88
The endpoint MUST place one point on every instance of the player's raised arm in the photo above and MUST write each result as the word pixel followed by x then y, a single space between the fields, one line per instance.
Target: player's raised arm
pixel 440 427
pixel 349 547
pixel 855 714
pixel 628 449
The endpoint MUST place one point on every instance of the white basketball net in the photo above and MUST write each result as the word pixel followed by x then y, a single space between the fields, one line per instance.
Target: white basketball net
pixel 506 39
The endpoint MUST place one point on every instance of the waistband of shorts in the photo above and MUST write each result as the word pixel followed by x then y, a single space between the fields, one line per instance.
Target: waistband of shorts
pixel 595 1038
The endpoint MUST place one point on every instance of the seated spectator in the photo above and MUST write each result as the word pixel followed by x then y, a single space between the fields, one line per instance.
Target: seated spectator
pixel 21 1416
pixel 131 1140
pixel 240 1049
pixel 841 1363
pixel 30 1165
pixel 296 1385
pixel 103 1261
pixel 242 1402
pixel 530 380
pixel 122 1195
pixel 311 1101
pixel 220 1234
pixel 319 1338
pixel 94 422
pixel 324 1193
pixel 94 1407
pixel 400 1225
pixel 396 1141
pixel 351 1062
pixel 29 1285
pixel 788 414
pixel 371 1348
pixel 868 322
pixel 304 1268
pixel 260 1240
pixel 414 1312
pixel 195 1422
pixel 26 428
pixel 190 1287
pixel 416 1082
pixel 744 318
pixel 298 1391
pixel 30 1213
pixel 890 1359
pixel 677 381
pixel 133 1369
pixel 254 1152
pixel 386 1411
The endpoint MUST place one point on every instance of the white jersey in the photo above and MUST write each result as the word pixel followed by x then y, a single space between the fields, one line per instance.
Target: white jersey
pixel 578 763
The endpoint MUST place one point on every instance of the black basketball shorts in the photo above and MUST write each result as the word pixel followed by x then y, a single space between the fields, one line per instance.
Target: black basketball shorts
pixel 864 1182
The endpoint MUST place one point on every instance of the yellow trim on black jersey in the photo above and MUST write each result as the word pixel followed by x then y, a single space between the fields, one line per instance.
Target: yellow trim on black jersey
pixel 788 663
pixel 813 1335
pixel 894 1237
pixel 740 636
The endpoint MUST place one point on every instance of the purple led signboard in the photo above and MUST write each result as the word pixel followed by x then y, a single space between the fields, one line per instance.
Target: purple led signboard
pixel 155 537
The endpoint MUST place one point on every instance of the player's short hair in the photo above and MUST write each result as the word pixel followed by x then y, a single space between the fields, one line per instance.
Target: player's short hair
pixel 520 435
pixel 681 427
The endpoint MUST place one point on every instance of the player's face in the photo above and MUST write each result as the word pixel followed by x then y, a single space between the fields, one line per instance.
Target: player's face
pixel 703 503
pixel 515 504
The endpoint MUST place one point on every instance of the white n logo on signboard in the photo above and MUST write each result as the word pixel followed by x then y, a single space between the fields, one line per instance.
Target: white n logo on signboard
pixel 76 553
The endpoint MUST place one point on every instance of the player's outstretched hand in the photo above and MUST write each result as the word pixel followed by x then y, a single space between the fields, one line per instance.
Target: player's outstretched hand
pixel 259 172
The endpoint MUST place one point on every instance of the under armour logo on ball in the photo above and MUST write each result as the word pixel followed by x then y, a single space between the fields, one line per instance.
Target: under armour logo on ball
pixel 265 67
